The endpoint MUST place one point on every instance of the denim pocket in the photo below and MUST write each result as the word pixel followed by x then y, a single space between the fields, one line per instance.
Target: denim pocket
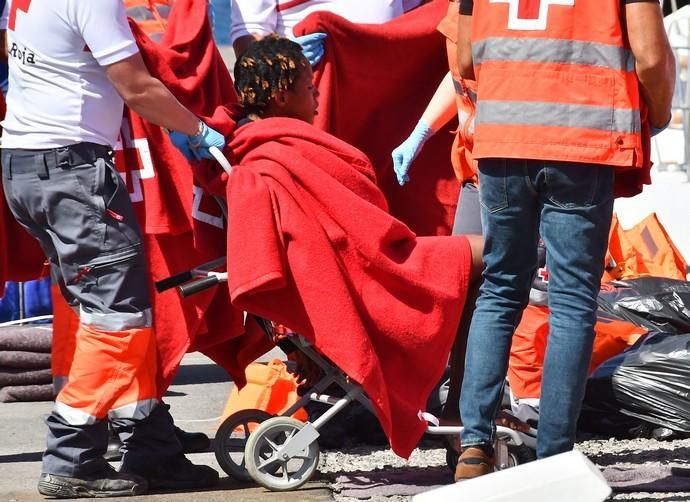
pixel 493 191
pixel 578 185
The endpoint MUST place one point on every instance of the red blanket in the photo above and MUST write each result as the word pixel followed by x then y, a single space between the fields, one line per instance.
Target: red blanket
pixel 311 244
pixel 375 81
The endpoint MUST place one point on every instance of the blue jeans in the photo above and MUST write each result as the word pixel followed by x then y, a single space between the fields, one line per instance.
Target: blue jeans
pixel 570 206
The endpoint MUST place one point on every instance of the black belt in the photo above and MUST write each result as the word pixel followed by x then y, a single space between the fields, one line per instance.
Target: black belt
pixel 41 161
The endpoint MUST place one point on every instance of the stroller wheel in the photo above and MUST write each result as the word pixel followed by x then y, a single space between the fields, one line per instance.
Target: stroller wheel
pixel 275 467
pixel 231 440
pixel 520 454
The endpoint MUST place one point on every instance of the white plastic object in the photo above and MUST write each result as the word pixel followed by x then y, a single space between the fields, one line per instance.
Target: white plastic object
pixel 221 159
pixel 568 477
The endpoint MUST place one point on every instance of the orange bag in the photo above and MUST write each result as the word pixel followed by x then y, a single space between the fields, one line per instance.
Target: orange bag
pixel 528 348
pixel 643 250
pixel 270 387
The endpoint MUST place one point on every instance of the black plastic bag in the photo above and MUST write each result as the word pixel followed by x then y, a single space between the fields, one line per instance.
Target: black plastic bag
pixel 654 303
pixel 650 382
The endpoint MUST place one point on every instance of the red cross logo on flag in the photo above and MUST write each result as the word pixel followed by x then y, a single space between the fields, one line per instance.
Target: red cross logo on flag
pixel 530 14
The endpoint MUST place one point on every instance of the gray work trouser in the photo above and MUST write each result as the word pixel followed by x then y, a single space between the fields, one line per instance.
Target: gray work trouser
pixel 73 201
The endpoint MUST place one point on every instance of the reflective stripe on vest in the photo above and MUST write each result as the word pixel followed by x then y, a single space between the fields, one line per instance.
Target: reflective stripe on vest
pixel 558 115
pixel 548 50
pixel 563 89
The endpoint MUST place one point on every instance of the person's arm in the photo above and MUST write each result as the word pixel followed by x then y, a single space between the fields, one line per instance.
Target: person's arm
pixel 241 43
pixel 104 28
pixel 654 62
pixel 438 112
pixel 252 20
pixel 464 39
pixel 3 33
pixel 148 97
pixel 442 106
pixel 465 64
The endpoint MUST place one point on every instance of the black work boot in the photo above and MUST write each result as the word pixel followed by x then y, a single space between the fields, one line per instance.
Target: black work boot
pixel 105 483
pixel 192 442
pixel 174 473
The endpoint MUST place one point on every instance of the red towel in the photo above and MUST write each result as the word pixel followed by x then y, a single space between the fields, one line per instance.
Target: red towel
pixel 311 245
pixel 375 81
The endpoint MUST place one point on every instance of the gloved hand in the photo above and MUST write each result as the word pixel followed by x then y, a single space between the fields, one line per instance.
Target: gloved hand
pixel 657 130
pixel 196 147
pixel 404 154
pixel 312 46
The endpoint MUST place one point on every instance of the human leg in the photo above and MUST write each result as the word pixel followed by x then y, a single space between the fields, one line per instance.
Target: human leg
pixel 451 411
pixel 575 223
pixel 510 222
pixel 47 199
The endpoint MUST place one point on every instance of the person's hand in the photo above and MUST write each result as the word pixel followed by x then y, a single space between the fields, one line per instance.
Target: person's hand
pixel 312 46
pixel 404 154
pixel 196 147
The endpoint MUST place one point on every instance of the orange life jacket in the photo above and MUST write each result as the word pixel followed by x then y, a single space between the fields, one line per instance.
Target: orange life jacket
pixel 556 81
pixel 150 15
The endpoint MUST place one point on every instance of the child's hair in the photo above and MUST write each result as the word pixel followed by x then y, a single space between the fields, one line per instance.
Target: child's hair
pixel 267 66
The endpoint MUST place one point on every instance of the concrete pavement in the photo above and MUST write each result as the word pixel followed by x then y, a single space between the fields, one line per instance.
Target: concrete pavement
pixel 197 398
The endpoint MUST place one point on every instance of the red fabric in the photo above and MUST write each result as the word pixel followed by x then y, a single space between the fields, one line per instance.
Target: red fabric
pixel 21 258
pixel 188 62
pixel 375 81
pixel 311 245
pixel 153 168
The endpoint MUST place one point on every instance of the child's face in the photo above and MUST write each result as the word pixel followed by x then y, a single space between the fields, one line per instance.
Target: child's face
pixel 301 101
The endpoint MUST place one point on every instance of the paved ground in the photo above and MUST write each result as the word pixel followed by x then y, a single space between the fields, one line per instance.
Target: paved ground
pixel 197 399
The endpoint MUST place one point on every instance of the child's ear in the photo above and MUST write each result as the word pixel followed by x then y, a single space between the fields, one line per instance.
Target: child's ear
pixel 281 98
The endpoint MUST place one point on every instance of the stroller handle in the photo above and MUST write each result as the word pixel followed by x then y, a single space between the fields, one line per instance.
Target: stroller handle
pixel 221 159
pixel 172 281
pixel 198 286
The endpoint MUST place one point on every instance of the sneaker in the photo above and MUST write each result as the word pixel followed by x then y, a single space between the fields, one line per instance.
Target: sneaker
pixel 107 483
pixel 175 473
pixel 473 462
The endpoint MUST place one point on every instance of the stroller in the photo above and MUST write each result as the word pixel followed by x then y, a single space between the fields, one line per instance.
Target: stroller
pixel 281 453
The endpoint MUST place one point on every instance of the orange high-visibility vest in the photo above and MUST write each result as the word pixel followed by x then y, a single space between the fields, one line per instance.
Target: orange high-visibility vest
pixel 556 81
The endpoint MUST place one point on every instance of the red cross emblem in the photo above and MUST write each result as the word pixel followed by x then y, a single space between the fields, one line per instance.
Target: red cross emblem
pixel 530 14
pixel 543 274
pixel 22 5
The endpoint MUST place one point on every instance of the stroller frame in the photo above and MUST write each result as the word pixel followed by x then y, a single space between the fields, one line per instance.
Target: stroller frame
pixel 269 462
pixel 265 460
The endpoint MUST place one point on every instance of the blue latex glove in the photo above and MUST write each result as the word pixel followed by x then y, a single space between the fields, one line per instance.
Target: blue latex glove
pixel 312 46
pixel 657 130
pixel 408 151
pixel 196 147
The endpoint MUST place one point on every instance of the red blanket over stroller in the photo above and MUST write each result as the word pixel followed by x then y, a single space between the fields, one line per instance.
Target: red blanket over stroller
pixel 311 245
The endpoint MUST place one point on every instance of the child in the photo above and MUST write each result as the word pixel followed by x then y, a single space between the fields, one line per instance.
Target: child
pixel 376 299
pixel 274 79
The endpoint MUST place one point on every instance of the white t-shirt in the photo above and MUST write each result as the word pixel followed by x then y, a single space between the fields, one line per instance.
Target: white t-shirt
pixel 58 90
pixel 261 17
